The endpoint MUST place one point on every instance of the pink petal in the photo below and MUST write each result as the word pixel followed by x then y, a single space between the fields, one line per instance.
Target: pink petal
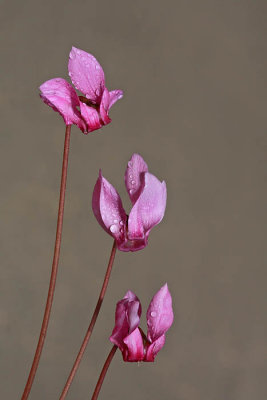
pixel 90 116
pixel 108 209
pixel 60 95
pixel 149 209
pixel 104 107
pixel 114 96
pixel 154 348
pixel 127 318
pixel 159 314
pixel 86 74
pixel 133 314
pixel 135 347
pixel 134 176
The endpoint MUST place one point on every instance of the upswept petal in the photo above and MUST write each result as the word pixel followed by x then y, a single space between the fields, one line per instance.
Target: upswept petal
pixel 133 314
pixel 127 318
pixel 104 107
pixel 159 314
pixel 135 347
pixel 154 348
pixel 108 209
pixel 90 116
pixel 86 74
pixel 114 96
pixel 149 208
pixel 60 95
pixel 134 176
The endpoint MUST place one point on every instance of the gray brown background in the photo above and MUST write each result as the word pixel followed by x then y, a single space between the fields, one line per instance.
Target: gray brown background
pixel 193 73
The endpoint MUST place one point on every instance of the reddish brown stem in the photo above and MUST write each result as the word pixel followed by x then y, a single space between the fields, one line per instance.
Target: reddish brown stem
pixel 53 277
pixel 103 372
pixel 92 324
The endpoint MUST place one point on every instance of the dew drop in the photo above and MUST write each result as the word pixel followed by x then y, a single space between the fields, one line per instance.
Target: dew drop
pixel 133 182
pixel 121 223
pixel 131 191
pixel 115 221
pixel 121 230
pixel 114 229
pixel 130 176
pixel 153 314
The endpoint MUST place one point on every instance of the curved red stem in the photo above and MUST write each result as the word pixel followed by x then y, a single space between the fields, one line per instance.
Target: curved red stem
pixel 53 277
pixel 91 325
pixel 103 372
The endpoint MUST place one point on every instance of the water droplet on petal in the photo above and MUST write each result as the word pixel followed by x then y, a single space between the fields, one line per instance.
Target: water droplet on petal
pixel 131 191
pixel 133 182
pixel 153 314
pixel 114 229
pixel 121 230
pixel 115 221
pixel 130 176
pixel 121 223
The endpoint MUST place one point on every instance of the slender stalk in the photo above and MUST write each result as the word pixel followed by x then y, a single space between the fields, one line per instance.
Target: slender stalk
pixel 53 277
pixel 103 372
pixel 91 325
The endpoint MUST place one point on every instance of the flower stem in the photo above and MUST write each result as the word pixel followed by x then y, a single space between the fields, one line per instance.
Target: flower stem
pixel 103 372
pixel 53 277
pixel 91 325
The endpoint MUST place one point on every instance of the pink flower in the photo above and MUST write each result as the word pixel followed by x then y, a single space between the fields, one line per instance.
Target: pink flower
pixel 131 340
pixel 90 112
pixel 148 196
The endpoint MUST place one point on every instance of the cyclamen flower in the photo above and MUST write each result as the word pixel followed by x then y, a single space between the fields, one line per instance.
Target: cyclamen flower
pixel 90 112
pixel 131 340
pixel 148 196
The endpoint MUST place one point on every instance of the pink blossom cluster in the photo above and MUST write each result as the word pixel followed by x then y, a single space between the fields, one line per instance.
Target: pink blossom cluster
pixel 147 194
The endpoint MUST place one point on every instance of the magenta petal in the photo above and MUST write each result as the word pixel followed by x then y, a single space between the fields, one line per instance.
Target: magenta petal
pixel 114 96
pixel 154 348
pixel 91 117
pixel 133 314
pixel 159 314
pixel 108 209
pixel 149 208
pixel 135 347
pixel 127 318
pixel 134 176
pixel 104 107
pixel 60 95
pixel 86 74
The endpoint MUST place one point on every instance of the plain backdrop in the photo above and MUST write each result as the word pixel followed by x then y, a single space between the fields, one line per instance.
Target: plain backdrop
pixel 194 77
